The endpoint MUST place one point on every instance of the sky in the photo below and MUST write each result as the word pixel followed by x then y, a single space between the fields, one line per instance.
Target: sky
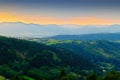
pixel 61 12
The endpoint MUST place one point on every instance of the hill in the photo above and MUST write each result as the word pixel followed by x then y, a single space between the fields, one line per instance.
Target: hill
pixel 102 36
pixel 26 60
pixel 104 54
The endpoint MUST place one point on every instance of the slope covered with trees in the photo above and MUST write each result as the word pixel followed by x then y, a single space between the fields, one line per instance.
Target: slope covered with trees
pixel 26 60
pixel 105 54
pixel 59 60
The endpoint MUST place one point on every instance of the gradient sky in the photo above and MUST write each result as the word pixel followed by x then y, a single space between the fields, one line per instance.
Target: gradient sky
pixel 78 12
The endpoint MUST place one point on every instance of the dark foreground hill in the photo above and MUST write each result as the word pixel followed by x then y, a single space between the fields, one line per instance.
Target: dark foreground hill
pixel 25 60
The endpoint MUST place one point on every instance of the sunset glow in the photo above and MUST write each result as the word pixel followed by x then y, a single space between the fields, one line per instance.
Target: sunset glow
pixel 8 17
pixel 44 18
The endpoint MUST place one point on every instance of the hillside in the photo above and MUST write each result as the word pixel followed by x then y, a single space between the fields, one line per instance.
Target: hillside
pixel 103 53
pixel 100 36
pixel 58 59
pixel 28 60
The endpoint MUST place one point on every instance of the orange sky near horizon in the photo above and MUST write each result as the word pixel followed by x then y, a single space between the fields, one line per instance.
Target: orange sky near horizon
pixel 9 17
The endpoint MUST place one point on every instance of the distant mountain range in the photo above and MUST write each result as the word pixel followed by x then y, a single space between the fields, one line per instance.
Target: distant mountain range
pixel 18 29
pixel 105 36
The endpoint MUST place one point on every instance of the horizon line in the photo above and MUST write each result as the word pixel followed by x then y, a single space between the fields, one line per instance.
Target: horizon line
pixel 60 24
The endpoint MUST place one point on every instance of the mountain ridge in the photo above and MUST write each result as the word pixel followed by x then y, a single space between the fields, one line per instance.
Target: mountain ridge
pixel 20 29
pixel 97 36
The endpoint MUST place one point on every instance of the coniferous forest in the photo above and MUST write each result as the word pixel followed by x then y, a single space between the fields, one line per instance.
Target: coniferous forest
pixel 58 60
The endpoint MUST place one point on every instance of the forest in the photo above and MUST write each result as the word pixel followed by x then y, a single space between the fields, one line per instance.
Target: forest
pixel 58 60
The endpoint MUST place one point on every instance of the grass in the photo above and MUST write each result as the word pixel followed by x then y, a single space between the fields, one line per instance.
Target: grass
pixel 52 41
pixel 27 78
pixel 2 78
